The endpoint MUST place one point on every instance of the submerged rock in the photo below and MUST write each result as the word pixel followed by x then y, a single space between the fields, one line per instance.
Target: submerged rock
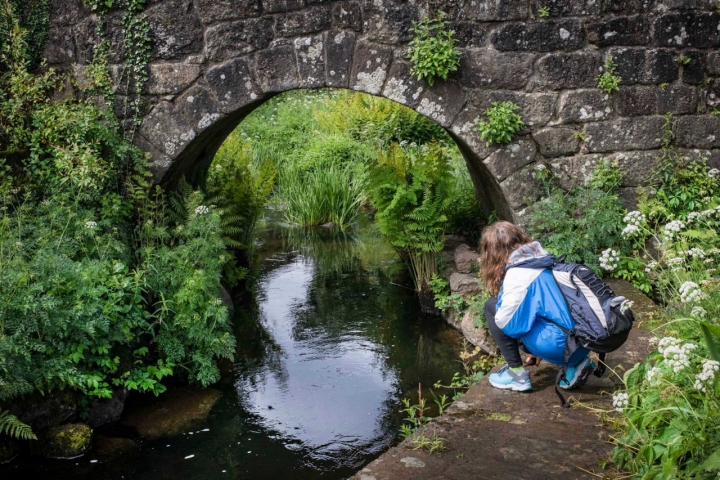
pixel 107 410
pixel 173 412
pixel 65 442
pixel 9 449
pixel 114 446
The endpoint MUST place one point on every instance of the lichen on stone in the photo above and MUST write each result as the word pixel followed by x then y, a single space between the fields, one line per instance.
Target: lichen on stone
pixel 371 82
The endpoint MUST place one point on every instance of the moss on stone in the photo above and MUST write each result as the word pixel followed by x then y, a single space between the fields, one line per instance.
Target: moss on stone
pixel 65 441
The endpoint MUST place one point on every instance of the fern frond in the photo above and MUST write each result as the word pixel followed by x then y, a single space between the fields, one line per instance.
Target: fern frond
pixel 10 425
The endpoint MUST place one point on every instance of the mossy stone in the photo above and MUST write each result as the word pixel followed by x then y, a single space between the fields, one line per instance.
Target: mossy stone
pixel 65 442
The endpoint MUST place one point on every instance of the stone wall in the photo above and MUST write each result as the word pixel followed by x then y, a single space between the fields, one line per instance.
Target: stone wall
pixel 216 60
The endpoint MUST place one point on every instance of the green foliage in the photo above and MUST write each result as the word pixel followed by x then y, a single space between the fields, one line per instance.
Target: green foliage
pixel 544 12
pixel 14 428
pixel 582 221
pixel 502 123
pixel 432 50
pixel 608 81
pixel 34 19
pixel 682 59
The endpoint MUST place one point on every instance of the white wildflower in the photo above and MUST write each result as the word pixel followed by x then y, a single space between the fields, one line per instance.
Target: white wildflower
pixel 653 376
pixel 696 252
pixel 626 305
pixel 702 379
pixel 709 260
pixel 691 292
pixel 714 172
pixel 673 228
pixel 201 210
pixel 676 355
pixel 90 225
pixel 635 218
pixel 651 266
pixel 609 260
pixel 540 167
pixel 630 230
pixel 698 312
pixel 620 401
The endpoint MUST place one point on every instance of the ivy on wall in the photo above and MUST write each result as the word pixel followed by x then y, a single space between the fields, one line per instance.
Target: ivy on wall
pixel 34 17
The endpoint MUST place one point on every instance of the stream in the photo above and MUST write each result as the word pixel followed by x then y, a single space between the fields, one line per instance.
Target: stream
pixel 329 342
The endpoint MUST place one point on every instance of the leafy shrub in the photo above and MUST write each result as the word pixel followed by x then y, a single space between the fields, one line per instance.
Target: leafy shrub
pixel 501 125
pixel 432 50
pixel 608 81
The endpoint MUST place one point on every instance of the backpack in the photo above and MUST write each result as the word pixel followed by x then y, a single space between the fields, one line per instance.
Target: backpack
pixel 602 320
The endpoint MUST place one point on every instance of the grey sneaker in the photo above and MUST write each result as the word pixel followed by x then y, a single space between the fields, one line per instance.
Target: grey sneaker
pixel 509 380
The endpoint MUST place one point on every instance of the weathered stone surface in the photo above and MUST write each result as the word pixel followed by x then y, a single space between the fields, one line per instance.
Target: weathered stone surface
pixel 442 102
pixel 512 157
pixel 559 71
pixel 339 48
pixel 699 131
pixel 466 259
pixel 67 12
pixel 496 10
pixel 276 70
pixel 44 411
pixel 521 188
pixel 389 22
pixel 310 53
pixel 469 34
pixel 536 109
pixel 643 133
pixel 401 85
pixel 198 107
pixel 677 98
pixel 64 442
pixel 645 66
pixel 544 36
pixel 232 84
pixel 693 72
pixel 60 47
pixel 228 40
pixel 634 101
pixel 687 29
pixel 309 20
pixel 211 11
pixel 584 106
pixel 712 98
pixel 370 68
pixel 497 70
pixel 175 29
pixel 464 127
pixel 85 39
pixel 114 446
pixel 568 8
pixel 619 31
pixel 107 410
pixel 627 6
pixel 637 167
pixel 713 63
pixel 554 142
pixel 464 284
pixel 170 78
pixel 477 334
pixel 167 130
pixel 347 15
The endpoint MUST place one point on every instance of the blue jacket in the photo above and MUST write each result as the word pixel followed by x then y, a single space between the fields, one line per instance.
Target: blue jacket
pixel 530 305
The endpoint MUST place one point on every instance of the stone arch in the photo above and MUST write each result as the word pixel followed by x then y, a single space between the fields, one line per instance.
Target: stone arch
pixel 213 61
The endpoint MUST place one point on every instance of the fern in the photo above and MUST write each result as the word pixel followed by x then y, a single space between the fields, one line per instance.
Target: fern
pixel 10 425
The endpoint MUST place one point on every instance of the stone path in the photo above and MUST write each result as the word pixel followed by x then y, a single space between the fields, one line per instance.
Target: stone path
pixel 496 434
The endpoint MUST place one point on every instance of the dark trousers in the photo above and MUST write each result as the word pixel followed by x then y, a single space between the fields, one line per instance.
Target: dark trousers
pixel 509 347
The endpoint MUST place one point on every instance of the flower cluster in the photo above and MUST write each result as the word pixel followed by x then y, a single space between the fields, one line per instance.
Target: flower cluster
pixel 651 266
pixel 626 305
pixel 201 210
pixel 673 228
pixel 690 292
pixel 634 221
pixel 609 260
pixel 653 376
pixel 676 355
pixel 696 252
pixel 698 312
pixel 703 378
pixel 90 225
pixel 620 401
pixel 714 172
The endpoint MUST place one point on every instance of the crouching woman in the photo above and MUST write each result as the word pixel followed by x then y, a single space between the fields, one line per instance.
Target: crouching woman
pixel 526 308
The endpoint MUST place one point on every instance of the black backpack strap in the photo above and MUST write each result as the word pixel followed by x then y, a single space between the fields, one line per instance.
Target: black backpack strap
pixel 601 367
pixel 560 377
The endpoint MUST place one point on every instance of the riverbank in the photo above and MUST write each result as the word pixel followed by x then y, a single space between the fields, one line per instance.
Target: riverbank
pixel 491 433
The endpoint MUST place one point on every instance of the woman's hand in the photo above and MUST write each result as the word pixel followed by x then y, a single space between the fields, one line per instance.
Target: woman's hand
pixel 531 360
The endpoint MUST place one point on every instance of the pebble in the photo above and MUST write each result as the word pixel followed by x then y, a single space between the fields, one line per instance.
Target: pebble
pixel 189 456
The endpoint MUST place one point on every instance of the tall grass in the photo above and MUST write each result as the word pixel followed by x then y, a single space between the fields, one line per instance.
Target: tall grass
pixel 331 193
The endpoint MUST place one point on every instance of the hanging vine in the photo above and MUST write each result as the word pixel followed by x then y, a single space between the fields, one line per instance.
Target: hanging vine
pixel 134 74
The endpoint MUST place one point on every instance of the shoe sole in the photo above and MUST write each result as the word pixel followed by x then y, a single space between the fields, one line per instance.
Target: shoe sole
pixel 509 386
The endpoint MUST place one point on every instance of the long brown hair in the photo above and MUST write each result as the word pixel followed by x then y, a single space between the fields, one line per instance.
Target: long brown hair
pixel 498 242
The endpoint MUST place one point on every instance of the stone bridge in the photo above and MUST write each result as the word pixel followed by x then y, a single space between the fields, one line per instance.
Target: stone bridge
pixel 214 61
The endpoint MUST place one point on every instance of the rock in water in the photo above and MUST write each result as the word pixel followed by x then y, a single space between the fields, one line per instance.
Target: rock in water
pixel 107 410
pixel 64 442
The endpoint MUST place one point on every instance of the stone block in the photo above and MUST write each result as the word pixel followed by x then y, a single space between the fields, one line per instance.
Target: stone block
pixel 212 11
pixel 510 158
pixel 232 84
pixel 557 141
pixel 67 12
pixel 170 133
pixel 160 162
pixel 536 109
pixel 170 78
pixel 370 67
pixel 645 66
pixel 677 98
pixel 276 70
pixel 233 39
pixel 198 107
pixel 339 48
pixel 274 6
pixel 637 100
pixel 559 71
pixel 347 15
pixel 697 131
pixel 302 22
pixel 310 53
pixel 542 36
pixel 470 34
pixel 588 105
pixel 175 29
pixel 568 8
pixel 464 284
pixel 712 98
pixel 713 63
pixel 464 129
pixel 693 72
pixel 466 259
pixel 627 7
pixel 641 133
pixel 496 10
pixel 521 188
pixel 477 334
pixel 401 85
pixel 637 167
pixel 619 31
pixel 389 22
pixel 60 46
pixel 687 29
pixel 85 39
pixel 497 70
pixel 679 4
pixel 442 102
